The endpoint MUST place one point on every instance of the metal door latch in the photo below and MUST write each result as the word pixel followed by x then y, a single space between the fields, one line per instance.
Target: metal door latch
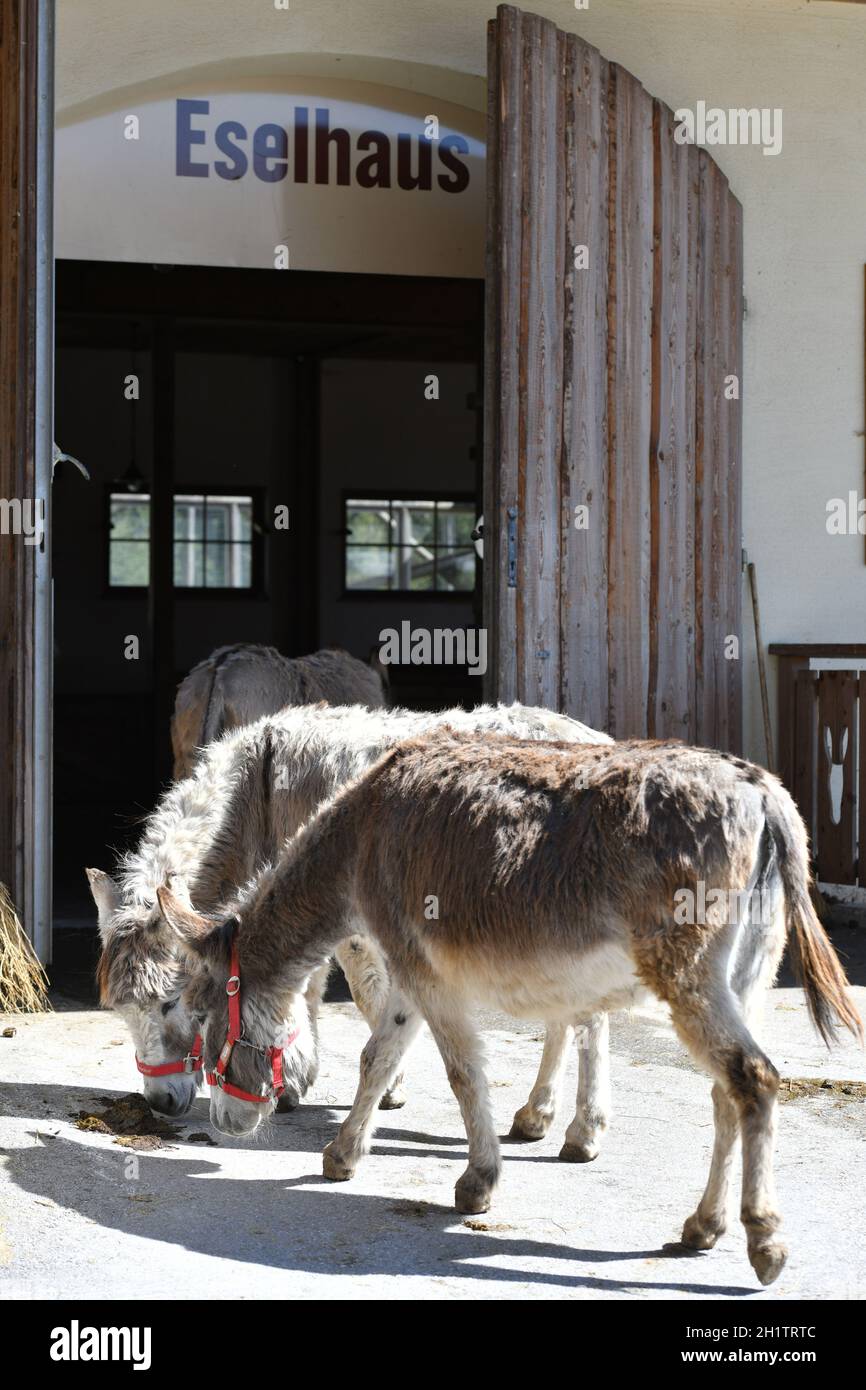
pixel 60 457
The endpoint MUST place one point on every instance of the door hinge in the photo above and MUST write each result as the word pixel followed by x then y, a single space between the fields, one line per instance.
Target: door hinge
pixel 512 547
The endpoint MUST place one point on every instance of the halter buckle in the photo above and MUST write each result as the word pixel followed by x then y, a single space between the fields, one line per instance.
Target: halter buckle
pixel 233 980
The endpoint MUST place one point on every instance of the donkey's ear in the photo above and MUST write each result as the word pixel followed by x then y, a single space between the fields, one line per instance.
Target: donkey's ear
pixel 178 886
pixel 106 895
pixel 187 925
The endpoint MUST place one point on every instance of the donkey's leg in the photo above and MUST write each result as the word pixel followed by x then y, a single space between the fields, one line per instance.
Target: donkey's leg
pixel 761 945
pixel 291 1098
pixel 533 1120
pixel 369 982
pixel 460 1046
pixel 397 1026
pixel 592 1117
pixel 759 949
pixel 757 1100
pixel 718 1037
pixel 710 1220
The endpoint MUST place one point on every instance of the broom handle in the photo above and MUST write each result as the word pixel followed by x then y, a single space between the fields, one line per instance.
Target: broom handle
pixel 762 670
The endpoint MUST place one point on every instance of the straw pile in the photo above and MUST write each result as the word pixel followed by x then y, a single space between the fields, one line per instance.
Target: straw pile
pixel 23 982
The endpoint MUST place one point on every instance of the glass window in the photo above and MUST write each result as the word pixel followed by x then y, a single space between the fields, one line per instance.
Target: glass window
pixel 409 545
pixel 129 540
pixel 213 541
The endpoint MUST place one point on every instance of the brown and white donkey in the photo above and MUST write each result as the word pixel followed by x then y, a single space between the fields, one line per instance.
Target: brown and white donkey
pixel 558 875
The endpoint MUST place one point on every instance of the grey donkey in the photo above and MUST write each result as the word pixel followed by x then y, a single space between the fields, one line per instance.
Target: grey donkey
pixel 238 685
pixel 217 827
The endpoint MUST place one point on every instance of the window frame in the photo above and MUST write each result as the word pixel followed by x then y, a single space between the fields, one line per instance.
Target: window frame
pixel 256 588
pixel 410 595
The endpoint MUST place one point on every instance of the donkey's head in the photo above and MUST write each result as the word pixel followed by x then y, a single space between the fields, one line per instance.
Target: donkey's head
pixel 257 1035
pixel 142 975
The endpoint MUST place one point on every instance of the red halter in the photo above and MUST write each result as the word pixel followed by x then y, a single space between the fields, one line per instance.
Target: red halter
pixel 193 1061
pixel 275 1054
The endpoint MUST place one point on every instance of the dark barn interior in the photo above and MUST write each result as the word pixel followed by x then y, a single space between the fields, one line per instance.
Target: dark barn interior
pixel 203 403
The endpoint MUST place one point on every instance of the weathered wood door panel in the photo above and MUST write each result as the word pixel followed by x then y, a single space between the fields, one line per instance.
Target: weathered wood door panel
pixel 612 468
pixel 26 360
pixel 583 568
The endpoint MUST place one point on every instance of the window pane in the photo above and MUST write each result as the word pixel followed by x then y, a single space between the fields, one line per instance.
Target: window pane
pixel 188 565
pixel 415 568
pixel 217 521
pixel 456 523
pixel 130 518
pixel 456 570
pixel 216 567
pixel 188 520
pixel 243 566
pixel 128 563
pixel 368 523
pixel 415 522
pixel 369 567
pixel 242 520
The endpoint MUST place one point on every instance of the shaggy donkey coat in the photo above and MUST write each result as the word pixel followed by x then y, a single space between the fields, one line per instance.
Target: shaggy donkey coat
pixel 237 685
pixel 213 830
pixel 556 870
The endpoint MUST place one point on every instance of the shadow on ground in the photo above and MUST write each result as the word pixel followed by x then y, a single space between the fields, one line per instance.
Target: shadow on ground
pixel 307 1224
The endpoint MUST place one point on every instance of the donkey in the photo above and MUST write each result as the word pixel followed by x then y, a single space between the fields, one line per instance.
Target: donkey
pixel 213 830
pixel 558 874
pixel 238 685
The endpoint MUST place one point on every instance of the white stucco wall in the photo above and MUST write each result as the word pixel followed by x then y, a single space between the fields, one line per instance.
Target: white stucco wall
pixel 805 210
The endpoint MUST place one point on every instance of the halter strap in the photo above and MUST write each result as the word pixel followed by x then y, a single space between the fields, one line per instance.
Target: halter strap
pixel 234 1035
pixel 192 1062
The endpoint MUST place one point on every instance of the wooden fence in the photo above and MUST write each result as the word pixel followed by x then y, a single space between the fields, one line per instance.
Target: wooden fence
pixel 822 751
pixel 614 302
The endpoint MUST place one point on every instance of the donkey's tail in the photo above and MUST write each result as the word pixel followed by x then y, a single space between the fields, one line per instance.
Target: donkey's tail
pixel 199 710
pixel 815 960
pixel 214 709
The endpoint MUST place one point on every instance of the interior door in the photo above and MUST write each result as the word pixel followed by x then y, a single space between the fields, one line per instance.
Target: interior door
pixel 613 386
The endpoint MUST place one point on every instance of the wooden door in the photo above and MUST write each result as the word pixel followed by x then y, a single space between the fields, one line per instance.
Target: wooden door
pixel 613 390
pixel 26 136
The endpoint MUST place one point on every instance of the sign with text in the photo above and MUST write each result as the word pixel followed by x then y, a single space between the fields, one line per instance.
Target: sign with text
pixel 346 177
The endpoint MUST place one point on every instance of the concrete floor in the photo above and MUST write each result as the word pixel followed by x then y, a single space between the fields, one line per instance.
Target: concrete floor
pixel 82 1217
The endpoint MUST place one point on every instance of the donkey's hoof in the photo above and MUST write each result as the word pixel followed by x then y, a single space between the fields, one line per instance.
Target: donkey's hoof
pixel 529 1124
pixel 393 1100
pixel 768 1260
pixel 334 1166
pixel 697 1236
pixel 578 1153
pixel 471 1194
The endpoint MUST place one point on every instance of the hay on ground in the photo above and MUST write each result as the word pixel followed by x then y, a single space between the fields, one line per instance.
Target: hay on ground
pixel 23 982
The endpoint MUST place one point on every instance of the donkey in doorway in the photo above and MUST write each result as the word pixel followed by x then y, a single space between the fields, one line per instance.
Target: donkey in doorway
pixel 240 684
pixel 558 872
pixel 213 830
